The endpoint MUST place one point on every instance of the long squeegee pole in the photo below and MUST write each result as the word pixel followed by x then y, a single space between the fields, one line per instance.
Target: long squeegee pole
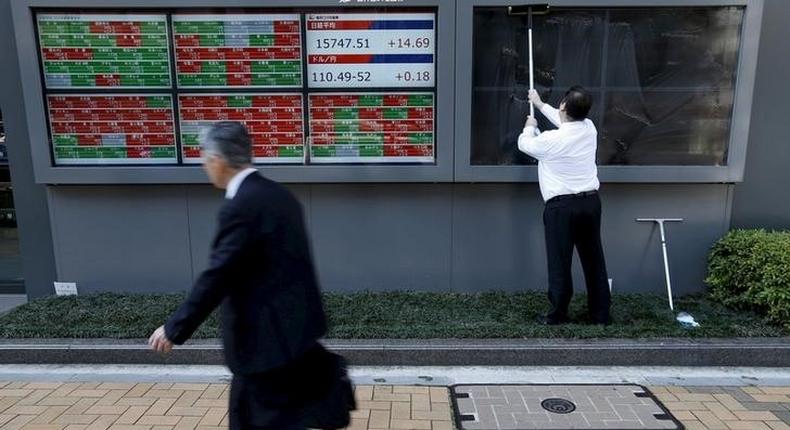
pixel 531 63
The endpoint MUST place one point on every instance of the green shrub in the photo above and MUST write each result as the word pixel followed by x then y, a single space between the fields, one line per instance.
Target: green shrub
pixel 750 269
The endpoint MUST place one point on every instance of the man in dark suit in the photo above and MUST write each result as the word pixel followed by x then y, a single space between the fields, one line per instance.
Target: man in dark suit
pixel 261 271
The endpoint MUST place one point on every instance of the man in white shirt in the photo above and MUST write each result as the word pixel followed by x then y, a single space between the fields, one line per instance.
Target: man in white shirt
pixel 569 184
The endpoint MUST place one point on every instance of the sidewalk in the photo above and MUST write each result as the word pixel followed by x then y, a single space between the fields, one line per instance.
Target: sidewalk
pixel 161 406
pixel 725 408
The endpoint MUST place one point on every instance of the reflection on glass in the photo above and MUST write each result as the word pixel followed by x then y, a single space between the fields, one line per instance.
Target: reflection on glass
pixel 670 81
pixel 3 152
pixel 662 79
pixel 673 48
pixel 10 262
pixel 501 73
pixel 665 128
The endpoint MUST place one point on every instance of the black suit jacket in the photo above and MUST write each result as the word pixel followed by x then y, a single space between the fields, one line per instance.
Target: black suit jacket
pixel 261 271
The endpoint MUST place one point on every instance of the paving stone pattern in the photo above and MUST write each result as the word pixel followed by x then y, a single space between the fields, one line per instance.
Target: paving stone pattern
pixel 728 408
pixel 147 406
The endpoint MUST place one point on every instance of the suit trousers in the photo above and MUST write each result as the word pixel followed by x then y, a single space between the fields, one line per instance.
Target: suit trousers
pixel 575 221
pixel 263 402
pixel 285 398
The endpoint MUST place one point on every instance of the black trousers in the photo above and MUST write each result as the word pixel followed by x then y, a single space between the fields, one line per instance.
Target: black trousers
pixel 576 222
pixel 263 402
pixel 276 399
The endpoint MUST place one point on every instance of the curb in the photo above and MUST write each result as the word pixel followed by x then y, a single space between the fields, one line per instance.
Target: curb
pixel 752 352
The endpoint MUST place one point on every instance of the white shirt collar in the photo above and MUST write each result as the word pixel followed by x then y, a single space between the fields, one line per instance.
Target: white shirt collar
pixel 571 123
pixel 236 180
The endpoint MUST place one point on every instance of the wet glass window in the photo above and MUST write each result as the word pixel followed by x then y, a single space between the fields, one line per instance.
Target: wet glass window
pixel 663 80
pixel 3 152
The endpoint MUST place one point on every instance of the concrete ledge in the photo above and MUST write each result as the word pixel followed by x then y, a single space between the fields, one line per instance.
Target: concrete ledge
pixel 756 352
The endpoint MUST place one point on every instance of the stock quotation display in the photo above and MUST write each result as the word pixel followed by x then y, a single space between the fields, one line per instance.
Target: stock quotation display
pixel 370 50
pixel 112 129
pixel 274 122
pixel 104 51
pixel 311 88
pixel 238 50
pixel 372 127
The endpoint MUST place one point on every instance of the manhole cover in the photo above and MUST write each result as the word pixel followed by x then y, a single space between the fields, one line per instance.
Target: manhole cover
pixel 559 407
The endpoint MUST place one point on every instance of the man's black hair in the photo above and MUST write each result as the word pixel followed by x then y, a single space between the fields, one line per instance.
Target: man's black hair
pixel 577 103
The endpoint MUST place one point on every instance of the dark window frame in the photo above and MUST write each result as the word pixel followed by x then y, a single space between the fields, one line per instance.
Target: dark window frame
pixel 736 153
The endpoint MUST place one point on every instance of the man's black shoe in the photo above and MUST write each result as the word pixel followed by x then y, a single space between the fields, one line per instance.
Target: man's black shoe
pixel 544 320
pixel 599 321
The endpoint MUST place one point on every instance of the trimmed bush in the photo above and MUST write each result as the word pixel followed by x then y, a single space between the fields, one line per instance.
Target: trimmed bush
pixel 750 270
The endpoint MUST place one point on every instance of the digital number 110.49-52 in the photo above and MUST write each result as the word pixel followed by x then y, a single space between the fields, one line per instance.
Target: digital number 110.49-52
pixel 341 76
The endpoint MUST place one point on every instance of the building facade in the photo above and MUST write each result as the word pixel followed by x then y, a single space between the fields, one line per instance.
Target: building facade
pixel 395 124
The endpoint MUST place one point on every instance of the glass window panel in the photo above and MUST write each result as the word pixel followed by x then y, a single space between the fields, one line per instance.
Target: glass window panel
pixel 662 79
pixel 568 51
pixel 674 47
pixel 3 152
pixel 665 128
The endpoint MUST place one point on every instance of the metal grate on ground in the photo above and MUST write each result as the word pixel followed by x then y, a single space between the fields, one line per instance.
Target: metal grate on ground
pixel 559 407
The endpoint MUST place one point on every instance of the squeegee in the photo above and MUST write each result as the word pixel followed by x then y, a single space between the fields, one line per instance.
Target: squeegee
pixel 530 10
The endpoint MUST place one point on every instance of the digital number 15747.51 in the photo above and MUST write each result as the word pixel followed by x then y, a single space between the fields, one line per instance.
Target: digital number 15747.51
pixel 331 42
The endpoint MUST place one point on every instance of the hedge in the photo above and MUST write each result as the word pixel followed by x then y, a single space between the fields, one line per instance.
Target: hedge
pixel 750 270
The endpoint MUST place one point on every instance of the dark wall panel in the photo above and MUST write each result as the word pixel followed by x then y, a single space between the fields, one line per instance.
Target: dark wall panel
pixel 30 199
pixel 463 237
pixel 120 238
pixel 763 199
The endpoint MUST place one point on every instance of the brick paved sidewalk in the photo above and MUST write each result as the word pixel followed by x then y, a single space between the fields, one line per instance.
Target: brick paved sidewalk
pixel 100 406
pixel 78 406
pixel 728 408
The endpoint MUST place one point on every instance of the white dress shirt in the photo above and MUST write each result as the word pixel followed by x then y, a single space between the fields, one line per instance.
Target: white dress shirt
pixel 566 156
pixel 236 180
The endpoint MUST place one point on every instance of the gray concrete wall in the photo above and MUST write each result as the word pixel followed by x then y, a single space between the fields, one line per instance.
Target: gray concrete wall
pixel 431 237
pixel 30 199
pixel 763 199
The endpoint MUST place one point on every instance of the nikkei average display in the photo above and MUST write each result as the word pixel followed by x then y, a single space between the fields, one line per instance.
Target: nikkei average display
pixel 371 50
